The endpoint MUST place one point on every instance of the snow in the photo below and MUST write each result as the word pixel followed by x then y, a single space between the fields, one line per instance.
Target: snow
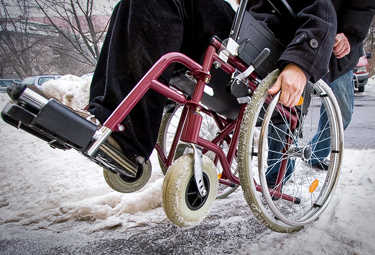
pixel 54 190
pixel 69 89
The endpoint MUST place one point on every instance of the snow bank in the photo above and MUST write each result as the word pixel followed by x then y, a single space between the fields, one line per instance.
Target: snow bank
pixel 41 187
pixel 345 227
pixel 70 90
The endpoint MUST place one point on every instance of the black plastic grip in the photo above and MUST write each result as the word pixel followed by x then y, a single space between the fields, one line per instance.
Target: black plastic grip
pixel 260 58
pixel 15 91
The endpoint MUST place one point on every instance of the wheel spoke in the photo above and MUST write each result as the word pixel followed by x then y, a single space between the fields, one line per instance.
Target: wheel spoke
pixel 283 150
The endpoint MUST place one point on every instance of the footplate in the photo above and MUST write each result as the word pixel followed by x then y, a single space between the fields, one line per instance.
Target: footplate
pixel 54 123
pixel 110 158
pixel 62 128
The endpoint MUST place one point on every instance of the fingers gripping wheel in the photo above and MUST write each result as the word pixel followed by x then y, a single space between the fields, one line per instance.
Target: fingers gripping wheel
pixel 293 193
pixel 126 184
pixel 182 203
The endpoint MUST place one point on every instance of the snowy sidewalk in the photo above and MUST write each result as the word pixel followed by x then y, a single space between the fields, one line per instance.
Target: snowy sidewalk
pixel 43 188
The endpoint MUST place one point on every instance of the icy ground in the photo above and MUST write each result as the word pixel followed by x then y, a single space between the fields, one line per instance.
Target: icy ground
pixel 60 201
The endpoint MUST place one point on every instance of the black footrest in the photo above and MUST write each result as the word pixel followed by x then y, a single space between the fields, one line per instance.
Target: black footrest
pixel 65 124
pixel 54 123
pixel 17 124
pixel 18 113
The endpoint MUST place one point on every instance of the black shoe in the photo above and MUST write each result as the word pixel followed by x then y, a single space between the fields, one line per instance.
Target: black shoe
pixel 323 165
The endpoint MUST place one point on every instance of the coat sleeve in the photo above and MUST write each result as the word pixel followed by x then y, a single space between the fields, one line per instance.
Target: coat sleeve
pixel 354 19
pixel 312 44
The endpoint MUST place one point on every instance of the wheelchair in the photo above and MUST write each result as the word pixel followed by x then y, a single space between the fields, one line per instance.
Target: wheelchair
pixel 220 130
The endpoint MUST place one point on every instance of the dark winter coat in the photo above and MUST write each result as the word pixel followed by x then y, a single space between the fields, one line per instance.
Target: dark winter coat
pixel 309 36
pixel 353 19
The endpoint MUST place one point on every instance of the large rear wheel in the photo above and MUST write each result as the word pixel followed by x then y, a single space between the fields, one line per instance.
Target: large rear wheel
pixel 292 199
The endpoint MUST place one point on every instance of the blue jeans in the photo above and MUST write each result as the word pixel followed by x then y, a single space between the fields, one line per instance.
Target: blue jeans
pixel 276 134
pixel 344 93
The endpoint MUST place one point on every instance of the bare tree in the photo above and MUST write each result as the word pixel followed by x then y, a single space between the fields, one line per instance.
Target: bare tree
pixel 77 23
pixel 66 39
pixel 21 50
pixel 369 45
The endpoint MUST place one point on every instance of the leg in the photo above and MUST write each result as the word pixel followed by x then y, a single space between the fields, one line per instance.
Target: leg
pixel 139 34
pixel 276 134
pixel 344 93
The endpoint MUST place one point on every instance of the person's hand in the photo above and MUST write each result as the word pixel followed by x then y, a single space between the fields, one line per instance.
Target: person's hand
pixel 292 82
pixel 341 47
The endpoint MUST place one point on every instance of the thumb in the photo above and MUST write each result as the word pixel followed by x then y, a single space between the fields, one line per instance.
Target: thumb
pixel 338 39
pixel 275 88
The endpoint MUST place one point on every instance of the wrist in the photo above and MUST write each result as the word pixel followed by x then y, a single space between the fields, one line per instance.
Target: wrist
pixel 303 70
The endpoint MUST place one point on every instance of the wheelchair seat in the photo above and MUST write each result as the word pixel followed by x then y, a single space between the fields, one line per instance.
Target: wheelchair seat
pixel 221 101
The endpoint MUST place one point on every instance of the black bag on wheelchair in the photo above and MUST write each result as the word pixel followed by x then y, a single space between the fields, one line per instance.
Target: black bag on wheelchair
pixel 252 37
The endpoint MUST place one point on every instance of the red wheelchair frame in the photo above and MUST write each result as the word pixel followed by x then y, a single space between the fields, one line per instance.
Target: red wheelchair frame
pixel 189 126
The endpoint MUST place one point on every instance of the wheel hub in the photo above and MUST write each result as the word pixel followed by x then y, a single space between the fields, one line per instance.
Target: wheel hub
pixel 307 153
pixel 304 153
pixel 194 200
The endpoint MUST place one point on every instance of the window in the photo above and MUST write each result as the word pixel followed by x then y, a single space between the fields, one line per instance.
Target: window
pixel 44 79
pixel 6 83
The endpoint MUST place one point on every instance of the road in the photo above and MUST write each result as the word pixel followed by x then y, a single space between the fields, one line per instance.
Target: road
pixel 360 133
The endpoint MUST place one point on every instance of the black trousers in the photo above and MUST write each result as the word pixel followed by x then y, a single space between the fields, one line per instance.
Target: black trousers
pixel 140 32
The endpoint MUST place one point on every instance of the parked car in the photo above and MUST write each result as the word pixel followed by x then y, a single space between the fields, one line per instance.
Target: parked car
pixel 37 81
pixel 361 72
pixel 4 83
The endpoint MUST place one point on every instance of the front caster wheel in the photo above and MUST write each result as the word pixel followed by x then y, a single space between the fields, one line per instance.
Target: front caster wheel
pixel 209 130
pixel 182 203
pixel 125 184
